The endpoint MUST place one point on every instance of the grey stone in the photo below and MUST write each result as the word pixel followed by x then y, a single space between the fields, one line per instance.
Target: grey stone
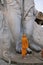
pixel 38 33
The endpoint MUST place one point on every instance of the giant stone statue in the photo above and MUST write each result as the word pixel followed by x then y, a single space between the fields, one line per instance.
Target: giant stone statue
pixel 12 14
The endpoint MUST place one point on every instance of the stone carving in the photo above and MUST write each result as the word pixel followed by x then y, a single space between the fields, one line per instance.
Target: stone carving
pixel 38 29
pixel 12 16
pixel 38 33
pixel 4 33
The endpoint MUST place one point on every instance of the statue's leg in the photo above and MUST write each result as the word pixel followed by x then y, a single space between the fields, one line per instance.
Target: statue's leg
pixel 28 25
pixel 14 25
pixel 29 32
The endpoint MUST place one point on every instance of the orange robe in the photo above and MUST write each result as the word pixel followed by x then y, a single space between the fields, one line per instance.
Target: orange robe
pixel 24 45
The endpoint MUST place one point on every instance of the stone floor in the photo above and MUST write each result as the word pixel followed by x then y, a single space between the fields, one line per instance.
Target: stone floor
pixel 32 59
pixel 2 62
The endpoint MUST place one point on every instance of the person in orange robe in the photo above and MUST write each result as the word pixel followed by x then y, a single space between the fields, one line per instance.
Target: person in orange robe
pixel 25 45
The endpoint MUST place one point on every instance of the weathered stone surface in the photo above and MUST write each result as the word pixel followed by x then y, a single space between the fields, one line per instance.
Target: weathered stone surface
pixel 31 59
pixel 4 63
pixel 38 29
pixel 4 33
pixel 38 33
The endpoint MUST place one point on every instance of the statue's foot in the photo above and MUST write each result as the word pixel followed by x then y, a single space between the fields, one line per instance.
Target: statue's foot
pixel 19 52
pixel 29 51
pixel 35 47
